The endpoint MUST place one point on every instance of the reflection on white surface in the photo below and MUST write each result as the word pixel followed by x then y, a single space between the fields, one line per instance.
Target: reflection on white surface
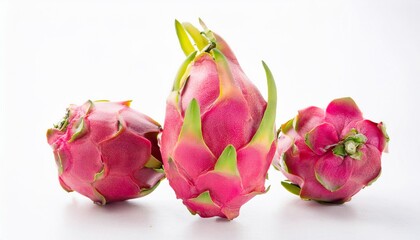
pixel 53 53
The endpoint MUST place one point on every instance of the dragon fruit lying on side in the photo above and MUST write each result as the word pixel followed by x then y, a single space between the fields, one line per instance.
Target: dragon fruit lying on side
pixel 219 135
pixel 330 156
pixel 107 151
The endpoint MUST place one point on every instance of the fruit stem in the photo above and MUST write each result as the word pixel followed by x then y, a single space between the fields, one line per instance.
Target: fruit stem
pixel 209 47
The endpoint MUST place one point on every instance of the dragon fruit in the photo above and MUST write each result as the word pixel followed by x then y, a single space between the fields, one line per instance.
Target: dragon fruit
pixel 330 156
pixel 107 151
pixel 219 134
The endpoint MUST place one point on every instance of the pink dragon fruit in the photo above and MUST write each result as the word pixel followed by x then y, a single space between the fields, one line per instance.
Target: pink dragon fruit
pixel 219 135
pixel 107 151
pixel 330 156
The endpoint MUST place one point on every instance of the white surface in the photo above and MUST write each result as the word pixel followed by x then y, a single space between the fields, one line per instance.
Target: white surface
pixel 53 53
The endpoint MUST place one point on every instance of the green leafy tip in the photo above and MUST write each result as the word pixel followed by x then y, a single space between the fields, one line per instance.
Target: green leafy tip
pixel 80 130
pixel 207 32
pixel 192 121
pixel 227 162
pixel 203 198
pixel 183 72
pixel 200 40
pixel 265 132
pixel 225 75
pixel 291 187
pixel 183 38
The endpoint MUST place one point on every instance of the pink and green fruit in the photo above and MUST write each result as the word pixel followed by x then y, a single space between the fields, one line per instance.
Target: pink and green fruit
pixel 219 133
pixel 107 151
pixel 329 156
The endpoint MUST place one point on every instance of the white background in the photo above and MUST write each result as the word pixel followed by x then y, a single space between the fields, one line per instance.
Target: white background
pixel 53 53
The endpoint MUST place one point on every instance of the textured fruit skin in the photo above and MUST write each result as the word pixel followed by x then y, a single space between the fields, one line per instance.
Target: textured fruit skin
pixel 107 151
pixel 219 135
pixel 329 156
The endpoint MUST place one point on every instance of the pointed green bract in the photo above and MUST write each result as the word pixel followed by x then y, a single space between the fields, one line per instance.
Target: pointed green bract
pixel 227 162
pixel 81 129
pixel 225 75
pixel 192 122
pixel 183 72
pixel 87 106
pixel 207 31
pixel 293 188
pixel 204 198
pixel 265 133
pixel 183 38
pixel 196 35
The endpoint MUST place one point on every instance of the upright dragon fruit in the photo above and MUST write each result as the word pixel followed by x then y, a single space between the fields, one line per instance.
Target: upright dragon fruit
pixel 219 134
pixel 330 156
pixel 107 151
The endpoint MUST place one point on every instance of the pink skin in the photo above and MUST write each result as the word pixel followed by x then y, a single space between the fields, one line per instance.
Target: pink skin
pixel 225 119
pixel 107 162
pixel 305 152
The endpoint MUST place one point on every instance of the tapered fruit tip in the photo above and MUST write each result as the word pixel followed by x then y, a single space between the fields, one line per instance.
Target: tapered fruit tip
pixel 200 41
pixel 183 38
pixel 271 85
pixel 266 131
pixel 204 197
pixel 293 188
pixel 227 162
pixel 87 106
pixel 225 75
pixel 81 129
pixel 183 72
pixel 192 122
pixel 203 25
pixel 193 108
